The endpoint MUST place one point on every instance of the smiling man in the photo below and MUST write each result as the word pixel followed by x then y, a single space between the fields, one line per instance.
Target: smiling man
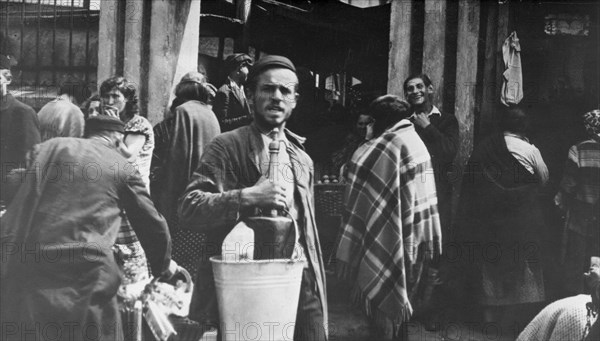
pixel 440 134
pixel 230 184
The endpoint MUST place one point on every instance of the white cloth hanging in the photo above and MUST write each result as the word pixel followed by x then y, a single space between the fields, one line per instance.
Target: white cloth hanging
pixel 512 82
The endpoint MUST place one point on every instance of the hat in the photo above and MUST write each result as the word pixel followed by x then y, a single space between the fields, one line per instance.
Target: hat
pixel 270 62
pixel 193 77
pixel 100 123
pixel 4 62
pixel 234 60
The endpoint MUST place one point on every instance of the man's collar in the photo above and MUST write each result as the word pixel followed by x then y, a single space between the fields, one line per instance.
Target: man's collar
pixel 434 111
pixel 518 136
pixel 403 123
pixel 6 101
pixel 63 97
pixel 289 135
pixel 232 82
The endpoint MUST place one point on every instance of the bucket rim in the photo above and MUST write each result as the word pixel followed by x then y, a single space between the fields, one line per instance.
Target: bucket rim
pixel 219 260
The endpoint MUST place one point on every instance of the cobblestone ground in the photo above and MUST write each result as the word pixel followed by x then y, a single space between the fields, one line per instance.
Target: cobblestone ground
pixel 347 323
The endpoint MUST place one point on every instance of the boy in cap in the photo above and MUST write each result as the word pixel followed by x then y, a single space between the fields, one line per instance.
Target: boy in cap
pixel 230 184
pixel 230 104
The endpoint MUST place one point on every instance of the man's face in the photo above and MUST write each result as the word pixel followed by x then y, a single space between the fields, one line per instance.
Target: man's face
pixel 114 98
pixel 362 123
pixel 417 93
pixel 274 97
pixel 5 79
pixel 242 72
pixel 5 76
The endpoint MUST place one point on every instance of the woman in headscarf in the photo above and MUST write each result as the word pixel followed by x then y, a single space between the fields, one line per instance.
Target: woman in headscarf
pixel 500 219
pixel 578 198
pixel 182 139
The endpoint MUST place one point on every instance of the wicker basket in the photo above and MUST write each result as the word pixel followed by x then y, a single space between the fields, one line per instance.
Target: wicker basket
pixel 329 199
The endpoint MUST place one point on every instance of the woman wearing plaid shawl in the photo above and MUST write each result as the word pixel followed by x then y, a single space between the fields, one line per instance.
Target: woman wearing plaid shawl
pixel 391 222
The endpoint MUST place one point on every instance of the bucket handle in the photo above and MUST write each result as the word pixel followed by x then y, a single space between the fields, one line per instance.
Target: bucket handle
pixel 186 274
pixel 295 255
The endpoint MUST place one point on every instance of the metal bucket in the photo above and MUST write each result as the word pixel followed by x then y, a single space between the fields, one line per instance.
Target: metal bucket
pixel 258 299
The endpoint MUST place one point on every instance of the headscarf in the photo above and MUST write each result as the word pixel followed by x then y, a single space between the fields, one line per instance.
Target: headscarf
pixel 591 121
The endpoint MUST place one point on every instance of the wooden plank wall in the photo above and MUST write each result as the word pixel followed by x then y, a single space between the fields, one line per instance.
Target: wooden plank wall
pixel 400 45
pixel 466 76
pixel 464 83
pixel 434 47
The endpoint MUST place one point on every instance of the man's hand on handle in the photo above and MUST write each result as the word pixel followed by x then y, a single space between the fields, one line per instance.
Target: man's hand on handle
pixel 264 194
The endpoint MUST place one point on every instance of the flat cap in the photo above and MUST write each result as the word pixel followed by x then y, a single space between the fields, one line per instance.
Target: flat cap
pixel 193 77
pixel 270 62
pixel 234 60
pixel 99 123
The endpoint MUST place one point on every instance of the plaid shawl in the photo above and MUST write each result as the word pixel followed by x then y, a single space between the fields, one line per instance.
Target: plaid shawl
pixel 391 224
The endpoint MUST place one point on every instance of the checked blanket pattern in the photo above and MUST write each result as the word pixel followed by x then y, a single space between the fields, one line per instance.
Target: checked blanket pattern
pixel 391 226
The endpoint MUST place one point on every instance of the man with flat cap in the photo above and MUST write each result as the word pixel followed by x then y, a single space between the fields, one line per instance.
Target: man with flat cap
pixel 59 278
pixel 230 104
pixel 230 184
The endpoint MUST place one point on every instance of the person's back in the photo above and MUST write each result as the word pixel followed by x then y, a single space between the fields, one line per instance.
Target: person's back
pixel 73 225
pixel 19 131
pixel 60 118
pixel 84 170
pixel 182 140
pixel 65 218
pixel 19 126
pixel 391 202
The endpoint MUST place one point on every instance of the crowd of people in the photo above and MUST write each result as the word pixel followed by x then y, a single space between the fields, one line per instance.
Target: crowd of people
pixel 95 198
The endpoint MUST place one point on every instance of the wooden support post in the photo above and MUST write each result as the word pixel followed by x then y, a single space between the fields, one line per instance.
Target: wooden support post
pixel 503 31
pixel 241 43
pixel 400 45
pixel 466 76
pixel 487 117
pixel 434 47
pixel 134 46
pixel 153 44
pixel 109 38
pixel 174 39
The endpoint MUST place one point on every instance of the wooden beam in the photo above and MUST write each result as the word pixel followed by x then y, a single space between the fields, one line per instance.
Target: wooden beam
pixel 466 76
pixel 243 13
pixel 434 47
pixel 400 45
pixel 503 31
pixel 487 117
pixel 110 30
pixel 134 50
pixel 174 39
